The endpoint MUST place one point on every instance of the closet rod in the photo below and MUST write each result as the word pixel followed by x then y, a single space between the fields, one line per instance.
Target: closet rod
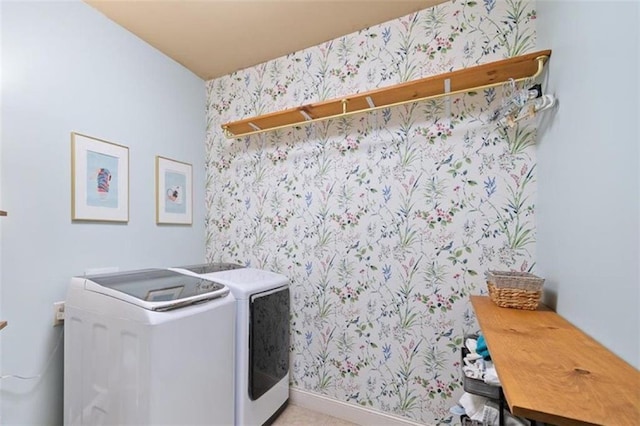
pixel 541 60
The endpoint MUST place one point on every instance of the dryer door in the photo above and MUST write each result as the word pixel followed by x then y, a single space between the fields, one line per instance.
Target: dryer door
pixel 268 340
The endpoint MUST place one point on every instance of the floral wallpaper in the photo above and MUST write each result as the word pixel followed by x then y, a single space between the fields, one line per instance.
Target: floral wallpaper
pixel 385 222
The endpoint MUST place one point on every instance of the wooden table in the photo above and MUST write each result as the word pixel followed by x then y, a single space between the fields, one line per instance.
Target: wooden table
pixel 3 324
pixel 552 372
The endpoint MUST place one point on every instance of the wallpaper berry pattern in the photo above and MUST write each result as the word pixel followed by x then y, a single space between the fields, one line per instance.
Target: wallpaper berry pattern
pixel 384 222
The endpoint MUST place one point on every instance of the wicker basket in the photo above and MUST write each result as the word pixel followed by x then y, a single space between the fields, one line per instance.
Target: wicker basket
pixel 519 290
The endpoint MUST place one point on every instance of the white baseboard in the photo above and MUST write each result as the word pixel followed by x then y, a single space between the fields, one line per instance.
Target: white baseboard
pixel 345 411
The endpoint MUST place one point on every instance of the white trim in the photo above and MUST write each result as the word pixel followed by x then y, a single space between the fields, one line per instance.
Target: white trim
pixel 345 411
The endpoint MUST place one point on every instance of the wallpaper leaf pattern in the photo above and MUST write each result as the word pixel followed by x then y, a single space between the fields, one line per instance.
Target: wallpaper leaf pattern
pixel 384 222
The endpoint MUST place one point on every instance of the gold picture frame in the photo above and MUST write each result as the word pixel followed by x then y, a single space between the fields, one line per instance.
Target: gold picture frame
pixel 99 180
pixel 174 192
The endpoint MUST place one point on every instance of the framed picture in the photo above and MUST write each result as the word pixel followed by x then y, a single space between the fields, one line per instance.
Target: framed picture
pixel 99 180
pixel 173 192
pixel 164 294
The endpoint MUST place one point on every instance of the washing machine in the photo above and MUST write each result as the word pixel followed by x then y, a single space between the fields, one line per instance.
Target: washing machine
pixel 262 339
pixel 148 347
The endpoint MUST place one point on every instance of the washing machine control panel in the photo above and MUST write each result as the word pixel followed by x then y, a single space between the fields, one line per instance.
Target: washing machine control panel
pixel 207 268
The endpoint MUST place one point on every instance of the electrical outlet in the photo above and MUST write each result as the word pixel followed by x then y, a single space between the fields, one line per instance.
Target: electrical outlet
pixel 58 313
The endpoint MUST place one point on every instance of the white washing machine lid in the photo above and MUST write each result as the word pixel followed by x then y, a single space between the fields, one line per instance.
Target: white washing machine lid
pixel 243 282
pixel 155 289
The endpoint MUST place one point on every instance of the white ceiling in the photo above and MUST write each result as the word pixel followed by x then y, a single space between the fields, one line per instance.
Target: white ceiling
pixel 216 37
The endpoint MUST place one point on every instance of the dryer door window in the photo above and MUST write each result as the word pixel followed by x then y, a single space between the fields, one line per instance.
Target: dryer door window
pixel 268 340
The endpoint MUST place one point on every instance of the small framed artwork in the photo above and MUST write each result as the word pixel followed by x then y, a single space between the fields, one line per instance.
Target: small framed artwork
pixel 164 294
pixel 173 192
pixel 99 180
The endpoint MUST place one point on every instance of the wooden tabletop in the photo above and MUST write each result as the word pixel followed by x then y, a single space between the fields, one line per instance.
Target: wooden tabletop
pixel 552 372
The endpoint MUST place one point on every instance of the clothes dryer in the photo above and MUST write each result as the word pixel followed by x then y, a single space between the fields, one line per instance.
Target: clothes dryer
pixel 262 339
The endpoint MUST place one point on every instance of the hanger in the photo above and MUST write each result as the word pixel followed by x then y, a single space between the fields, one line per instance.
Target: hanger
pixel 542 103
pixel 522 104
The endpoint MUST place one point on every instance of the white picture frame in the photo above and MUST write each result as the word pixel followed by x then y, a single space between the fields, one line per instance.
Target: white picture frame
pixel 174 192
pixel 99 180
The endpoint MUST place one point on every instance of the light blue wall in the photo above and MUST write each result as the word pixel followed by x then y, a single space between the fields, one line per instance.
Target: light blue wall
pixel 588 183
pixel 65 67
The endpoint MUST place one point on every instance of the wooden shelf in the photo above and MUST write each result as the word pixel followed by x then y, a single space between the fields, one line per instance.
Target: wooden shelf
pixel 460 81
pixel 552 372
pixel 3 324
